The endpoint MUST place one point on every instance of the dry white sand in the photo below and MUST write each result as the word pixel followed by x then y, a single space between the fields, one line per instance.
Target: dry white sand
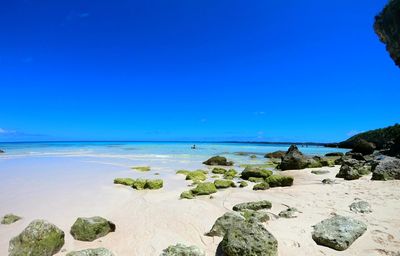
pixel 62 189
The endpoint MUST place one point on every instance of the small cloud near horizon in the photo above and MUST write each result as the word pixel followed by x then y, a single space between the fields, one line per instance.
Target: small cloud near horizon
pixel 259 113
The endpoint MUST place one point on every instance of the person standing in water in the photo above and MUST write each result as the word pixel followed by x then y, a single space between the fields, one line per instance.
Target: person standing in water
pixel 194 146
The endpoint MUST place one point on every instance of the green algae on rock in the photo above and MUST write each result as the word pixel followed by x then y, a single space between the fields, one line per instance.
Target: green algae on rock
pixel 91 252
pixel 224 184
pixel 184 172
pixel 142 168
pixel 218 160
pixel 230 174
pixel 39 238
pixel 154 184
pixel 205 188
pixel 223 223
pixel 124 181
pixel 89 229
pixel 256 172
pixel 218 170
pixel 9 219
pixel 139 184
pixel 256 180
pixel 243 184
pixel 182 250
pixel 277 180
pixel 198 175
pixel 261 186
pixel 255 205
pixel 187 195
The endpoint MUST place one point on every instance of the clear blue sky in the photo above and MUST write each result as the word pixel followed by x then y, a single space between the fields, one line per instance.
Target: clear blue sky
pixel 307 70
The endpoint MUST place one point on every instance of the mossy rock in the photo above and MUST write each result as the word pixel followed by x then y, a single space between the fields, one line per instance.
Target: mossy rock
pixel 205 188
pixel 142 168
pixel 277 180
pixel 124 181
pixel 230 174
pixel 198 175
pixel 253 156
pixel 255 205
pixel 9 219
pixel 256 180
pixel 256 172
pixel 319 172
pixel 218 160
pixel 261 186
pixel 255 216
pixel 225 222
pixel 224 184
pixel 243 184
pixel 89 229
pixel 187 195
pixel 39 238
pixel 182 250
pixel 139 184
pixel 184 172
pixel 154 184
pixel 91 252
pixel 215 176
pixel 218 170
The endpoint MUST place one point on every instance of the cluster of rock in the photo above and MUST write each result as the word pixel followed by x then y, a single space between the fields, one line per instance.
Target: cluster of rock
pixel 45 239
pixel 140 184
pixel 265 178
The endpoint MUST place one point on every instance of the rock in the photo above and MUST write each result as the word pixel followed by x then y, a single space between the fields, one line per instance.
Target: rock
pixel 184 172
pixel 360 207
pixel 139 184
pixel 91 252
pixel 319 172
pixel 355 155
pixel 364 147
pixel 255 216
pixel 142 168
pixel 294 159
pixel 327 162
pixel 230 174
pixel 89 229
pixel 387 168
pixel 218 160
pixel 394 149
pixel 224 184
pixel 275 154
pixel 248 239
pixel 124 181
pixel 338 232
pixel 290 212
pixel 255 206
pixel 277 180
pixel 243 184
pixel 353 169
pixel 314 162
pixel 261 186
pixel 218 170
pixel 182 250
pixel 328 181
pixel 335 154
pixel 256 172
pixel 187 195
pixel 154 184
pixel 9 219
pixel 253 156
pixel 39 238
pixel 387 27
pixel 206 188
pixel 198 175
pixel 215 176
pixel 223 223
pixel 256 180
pixel 1 151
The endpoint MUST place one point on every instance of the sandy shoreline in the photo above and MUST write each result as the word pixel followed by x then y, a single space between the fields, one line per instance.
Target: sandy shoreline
pixel 149 221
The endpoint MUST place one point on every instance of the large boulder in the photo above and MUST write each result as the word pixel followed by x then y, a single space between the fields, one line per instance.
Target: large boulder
pixel 364 147
pixel 256 172
pixel 275 154
pixel 89 229
pixel 387 168
pixel 224 184
pixel 182 250
pixel 225 222
pixel 255 206
pixel 249 239
pixel 277 180
pixel 338 232
pixel 218 160
pixel 91 252
pixel 39 238
pixel 353 169
pixel 205 188
pixel 9 219
pixel 387 27
pixel 294 159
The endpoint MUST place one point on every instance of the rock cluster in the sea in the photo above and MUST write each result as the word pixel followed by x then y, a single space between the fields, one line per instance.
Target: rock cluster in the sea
pixel 91 252
pixel 182 250
pixel 218 160
pixel 38 238
pixel 89 229
pixel 387 27
pixel 9 219
pixel 338 232
pixel 275 154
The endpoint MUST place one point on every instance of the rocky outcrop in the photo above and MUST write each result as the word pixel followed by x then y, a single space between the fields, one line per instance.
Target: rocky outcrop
pixel 38 238
pixel 89 229
pixel 249 238
pixel 218 160
pixel 256 172
pixel 255 206
pixel 387 27
pixel 338 232
pixel 182 250
pixel 9 219
pixel 360 207
pixel 1 151
pixel 386 168
pixel 275 154
pixel 353 169
pixel 91 252
pixel 225 222
pixel 294 159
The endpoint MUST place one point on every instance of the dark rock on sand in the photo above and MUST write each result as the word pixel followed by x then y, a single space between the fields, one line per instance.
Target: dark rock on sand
pixel 249 239
pixel 182 250
pixel 89 229
pixel 225 222
pixel 319 172
pixel 290 212
pixel 255 206
pixel 9 219
pixel 353 169
pixel 38 238
pixel 334 154
pixel 387 168
pixel 360 207
pixel 328 181
pixel 294 159
pixel 387 27
pixel 276 154
pixel 338 232
pixel 91 252
pixel 218 160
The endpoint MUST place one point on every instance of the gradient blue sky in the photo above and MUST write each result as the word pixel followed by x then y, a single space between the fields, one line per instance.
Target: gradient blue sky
pixel 307 70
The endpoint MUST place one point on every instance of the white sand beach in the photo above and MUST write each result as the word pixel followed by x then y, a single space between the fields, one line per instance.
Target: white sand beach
pixel 149 221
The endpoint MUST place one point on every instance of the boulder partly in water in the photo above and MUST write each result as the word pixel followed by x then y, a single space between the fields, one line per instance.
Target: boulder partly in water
pixel 218 160
pixel 294 159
